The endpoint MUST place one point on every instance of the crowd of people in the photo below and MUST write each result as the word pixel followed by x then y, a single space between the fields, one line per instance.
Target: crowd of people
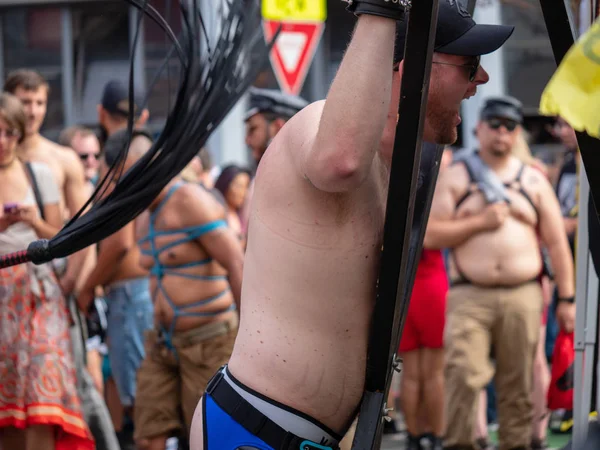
pixel 114 347
pixel 116 344
pixel 484 289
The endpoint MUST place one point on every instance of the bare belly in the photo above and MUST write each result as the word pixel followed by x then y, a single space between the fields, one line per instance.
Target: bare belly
pixel 303 334
pixel 184 295
pixel 129 268
pixel 508 256
pixel 319 372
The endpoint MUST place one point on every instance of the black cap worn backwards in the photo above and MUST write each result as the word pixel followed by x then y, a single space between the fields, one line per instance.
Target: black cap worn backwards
pixel 457 33
pixel 115 98
pixel 502 107
pixel 274 102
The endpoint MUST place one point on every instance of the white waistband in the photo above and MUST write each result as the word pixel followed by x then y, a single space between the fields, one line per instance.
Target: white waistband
pixel 287 420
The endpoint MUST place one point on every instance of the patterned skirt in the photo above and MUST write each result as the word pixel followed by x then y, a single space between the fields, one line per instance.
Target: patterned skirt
pixel 37 372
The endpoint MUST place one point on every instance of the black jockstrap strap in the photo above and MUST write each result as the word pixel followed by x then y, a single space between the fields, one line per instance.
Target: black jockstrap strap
pixel 252 419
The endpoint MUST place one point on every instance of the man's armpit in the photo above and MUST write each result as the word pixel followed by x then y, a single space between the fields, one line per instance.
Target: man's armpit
pixel 310 182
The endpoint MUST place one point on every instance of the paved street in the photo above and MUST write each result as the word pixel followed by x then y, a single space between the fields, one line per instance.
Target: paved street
pixel 393 443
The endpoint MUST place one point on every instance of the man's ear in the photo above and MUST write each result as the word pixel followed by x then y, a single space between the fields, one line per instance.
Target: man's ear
pixel 101 114
pixel 275 126
pixel 144 116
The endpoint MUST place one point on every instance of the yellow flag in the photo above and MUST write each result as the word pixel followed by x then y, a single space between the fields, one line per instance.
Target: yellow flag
pixel 574 90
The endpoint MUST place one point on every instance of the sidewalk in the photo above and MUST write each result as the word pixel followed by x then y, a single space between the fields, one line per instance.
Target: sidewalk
pixel 397 442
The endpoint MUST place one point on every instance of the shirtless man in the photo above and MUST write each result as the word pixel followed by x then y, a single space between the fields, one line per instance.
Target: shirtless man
pixel 298 366
pixel 31 88
pixel 495 302
pixel 196 263
pixel 126 284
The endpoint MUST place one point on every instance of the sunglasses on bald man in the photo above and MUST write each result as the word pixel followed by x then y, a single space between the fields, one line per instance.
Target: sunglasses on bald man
pixel 86 156
pixel 496 122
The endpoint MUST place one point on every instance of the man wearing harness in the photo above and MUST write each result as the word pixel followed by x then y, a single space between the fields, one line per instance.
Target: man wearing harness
pixel 489 209
pixel 297 373
pixel 195 262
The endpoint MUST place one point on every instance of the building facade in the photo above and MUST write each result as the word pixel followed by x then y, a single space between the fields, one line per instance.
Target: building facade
pixel 80 45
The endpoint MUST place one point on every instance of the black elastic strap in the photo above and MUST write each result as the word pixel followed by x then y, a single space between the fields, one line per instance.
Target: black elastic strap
pixel 36 189
pixel 251 418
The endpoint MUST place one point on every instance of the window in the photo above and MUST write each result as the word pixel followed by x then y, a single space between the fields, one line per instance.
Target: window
pixel 32 40
pixel 162 85
pixel 529 62
pixel 100 53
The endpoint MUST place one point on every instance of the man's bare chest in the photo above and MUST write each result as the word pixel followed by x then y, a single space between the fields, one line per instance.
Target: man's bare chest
pixel 522 205
pixel 55 167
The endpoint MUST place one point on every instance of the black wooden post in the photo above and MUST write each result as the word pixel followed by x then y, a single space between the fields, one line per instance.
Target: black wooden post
pixel 403 230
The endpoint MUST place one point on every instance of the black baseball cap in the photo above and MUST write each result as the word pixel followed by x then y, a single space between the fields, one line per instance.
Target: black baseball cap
pixel 457 33
pixel 274 102
pixel 115 98
pixel 502 107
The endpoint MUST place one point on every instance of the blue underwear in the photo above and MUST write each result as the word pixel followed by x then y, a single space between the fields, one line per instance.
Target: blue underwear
pixel 221 431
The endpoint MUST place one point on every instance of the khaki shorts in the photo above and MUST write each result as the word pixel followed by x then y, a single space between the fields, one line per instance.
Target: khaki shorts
pixel 170 385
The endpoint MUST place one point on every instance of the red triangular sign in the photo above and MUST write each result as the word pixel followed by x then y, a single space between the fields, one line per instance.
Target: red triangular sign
pixel 293 51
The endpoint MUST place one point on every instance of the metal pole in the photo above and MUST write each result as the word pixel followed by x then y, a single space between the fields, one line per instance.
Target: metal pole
pixel 137 53
pixel 396 274
pixel 585 324
pixel 586 280
pixel 561 32
pixel 67 65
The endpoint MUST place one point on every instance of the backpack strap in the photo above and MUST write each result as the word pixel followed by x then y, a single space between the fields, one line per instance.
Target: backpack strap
pixel 36 189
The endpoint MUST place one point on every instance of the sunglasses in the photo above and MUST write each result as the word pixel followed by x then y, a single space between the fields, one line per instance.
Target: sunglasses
pixel 86 156
pixel 496 123
pixel 473 66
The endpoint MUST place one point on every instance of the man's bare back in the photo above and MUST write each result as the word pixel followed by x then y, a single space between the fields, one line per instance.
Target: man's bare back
pixel 512 253
pixel 321 299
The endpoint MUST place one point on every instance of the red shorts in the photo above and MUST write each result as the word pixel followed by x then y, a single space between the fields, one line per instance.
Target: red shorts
pixel 424 325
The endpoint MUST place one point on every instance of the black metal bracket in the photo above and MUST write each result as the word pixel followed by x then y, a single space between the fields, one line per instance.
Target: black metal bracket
pixel 403 230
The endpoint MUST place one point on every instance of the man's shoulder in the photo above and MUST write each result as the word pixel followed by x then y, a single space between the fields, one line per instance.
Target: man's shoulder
pixel 306 119
pixel 193 199
pixel 456 173
pixel 66 156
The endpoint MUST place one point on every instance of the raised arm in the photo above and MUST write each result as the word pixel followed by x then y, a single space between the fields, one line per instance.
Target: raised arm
pixel 356 109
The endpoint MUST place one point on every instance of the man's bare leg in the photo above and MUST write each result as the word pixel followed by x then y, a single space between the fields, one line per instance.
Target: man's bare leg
pixel 481 425
pixel 541 382
pixel 114 404
pixel 432 379
pixel 39 436
pixel 410 391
